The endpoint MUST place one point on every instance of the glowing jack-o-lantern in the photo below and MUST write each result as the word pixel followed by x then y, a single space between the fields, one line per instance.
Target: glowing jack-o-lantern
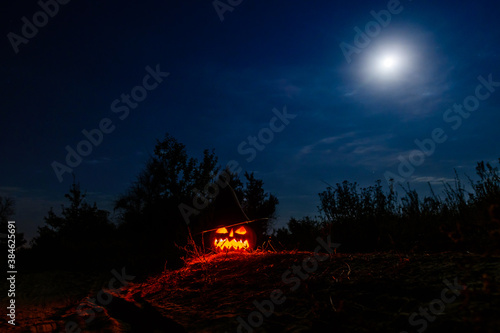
pixel 240 238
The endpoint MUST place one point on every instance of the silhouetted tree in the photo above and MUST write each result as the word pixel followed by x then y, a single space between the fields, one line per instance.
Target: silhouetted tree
pixel 80 238
pixel 7 210
pixel 149 210
pixel 259 204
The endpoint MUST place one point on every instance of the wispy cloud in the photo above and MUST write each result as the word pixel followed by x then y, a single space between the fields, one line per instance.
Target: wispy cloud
pixel 432 180
pixel 12 190
pixel 287 88
pixel 371 151
pixel 325 141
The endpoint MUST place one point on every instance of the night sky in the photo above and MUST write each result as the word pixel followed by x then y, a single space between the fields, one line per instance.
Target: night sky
pixel 358 93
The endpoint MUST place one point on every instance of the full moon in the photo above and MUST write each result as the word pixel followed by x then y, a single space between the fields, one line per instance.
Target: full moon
pixel 389 63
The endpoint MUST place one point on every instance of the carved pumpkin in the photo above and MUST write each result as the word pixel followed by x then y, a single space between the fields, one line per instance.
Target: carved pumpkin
pixel 239 238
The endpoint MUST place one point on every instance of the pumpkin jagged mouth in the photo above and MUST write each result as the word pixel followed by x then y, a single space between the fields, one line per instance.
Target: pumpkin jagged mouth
pixel 233 244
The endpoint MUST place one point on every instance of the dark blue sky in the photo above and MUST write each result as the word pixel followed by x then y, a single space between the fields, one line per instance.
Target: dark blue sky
pixel 355 120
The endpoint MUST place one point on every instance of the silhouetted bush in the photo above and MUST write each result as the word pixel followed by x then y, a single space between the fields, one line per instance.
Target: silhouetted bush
pixel 369 219
pixel 299 234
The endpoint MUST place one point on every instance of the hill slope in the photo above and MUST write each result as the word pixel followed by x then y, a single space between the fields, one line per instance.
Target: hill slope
pixel 286 292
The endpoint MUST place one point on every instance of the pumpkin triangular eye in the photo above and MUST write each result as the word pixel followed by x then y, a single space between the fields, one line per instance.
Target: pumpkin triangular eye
pixel 221 231
pixel 241 231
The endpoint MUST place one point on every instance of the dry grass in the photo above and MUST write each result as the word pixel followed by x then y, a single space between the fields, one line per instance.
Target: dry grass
pixel 374 292
pixel 359 292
